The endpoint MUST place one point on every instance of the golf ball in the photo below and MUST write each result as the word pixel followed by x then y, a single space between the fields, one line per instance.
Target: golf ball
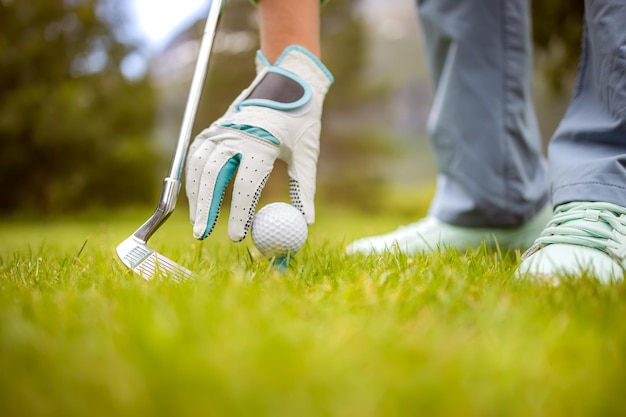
pixel 279 230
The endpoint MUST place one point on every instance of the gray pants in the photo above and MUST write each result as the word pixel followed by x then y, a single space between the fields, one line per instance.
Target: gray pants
pixel 483 125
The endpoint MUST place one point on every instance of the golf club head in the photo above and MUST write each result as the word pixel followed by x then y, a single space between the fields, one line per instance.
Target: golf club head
pixel 149 264
pixel 134 252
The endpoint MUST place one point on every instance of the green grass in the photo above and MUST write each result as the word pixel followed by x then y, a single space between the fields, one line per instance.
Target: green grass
pixel 443 334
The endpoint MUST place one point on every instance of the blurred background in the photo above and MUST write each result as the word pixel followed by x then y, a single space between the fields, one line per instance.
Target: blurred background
pixel 92 94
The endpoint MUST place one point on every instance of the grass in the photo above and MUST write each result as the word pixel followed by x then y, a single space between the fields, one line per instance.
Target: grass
pixel 442 334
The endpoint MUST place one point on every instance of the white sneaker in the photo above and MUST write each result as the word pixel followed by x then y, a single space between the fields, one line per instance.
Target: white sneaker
pixel 430 234
pixel 582 238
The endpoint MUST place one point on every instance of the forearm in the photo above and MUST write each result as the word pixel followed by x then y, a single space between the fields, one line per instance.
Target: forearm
pixel 289 22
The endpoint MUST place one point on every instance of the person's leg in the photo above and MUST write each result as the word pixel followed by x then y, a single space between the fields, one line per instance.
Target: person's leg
pixel 482 123
pixel 492 179
pixel 587 158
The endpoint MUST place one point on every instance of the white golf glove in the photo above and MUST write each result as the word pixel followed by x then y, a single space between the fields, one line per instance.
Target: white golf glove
pixel 278 116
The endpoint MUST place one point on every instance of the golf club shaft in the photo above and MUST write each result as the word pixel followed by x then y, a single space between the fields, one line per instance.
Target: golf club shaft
pixel 171 184
pixel 195 91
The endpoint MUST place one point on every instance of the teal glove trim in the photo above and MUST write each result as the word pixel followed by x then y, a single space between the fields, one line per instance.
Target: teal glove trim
pixel 306 97
pixel 222 180
pixel 261 57
pixel 255 131
pixel 311 57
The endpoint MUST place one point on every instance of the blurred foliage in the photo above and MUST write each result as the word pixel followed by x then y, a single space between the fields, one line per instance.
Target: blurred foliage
pixel 74 131
pixel 345 53
pixel 72 127
pixel 557 33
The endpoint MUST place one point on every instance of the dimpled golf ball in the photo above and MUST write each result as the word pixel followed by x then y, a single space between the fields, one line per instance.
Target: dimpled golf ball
pixel 279 230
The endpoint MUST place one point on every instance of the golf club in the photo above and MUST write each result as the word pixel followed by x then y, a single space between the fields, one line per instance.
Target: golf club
pixel 134 251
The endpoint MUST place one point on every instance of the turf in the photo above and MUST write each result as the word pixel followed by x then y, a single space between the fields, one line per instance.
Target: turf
pixel 442 334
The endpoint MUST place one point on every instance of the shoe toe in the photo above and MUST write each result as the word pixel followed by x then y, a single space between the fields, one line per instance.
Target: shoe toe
pixel 556 260
pixel 375 244
pixel 410 239
pixel 362 246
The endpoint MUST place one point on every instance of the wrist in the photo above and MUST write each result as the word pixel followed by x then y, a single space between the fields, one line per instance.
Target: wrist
pixel 289 23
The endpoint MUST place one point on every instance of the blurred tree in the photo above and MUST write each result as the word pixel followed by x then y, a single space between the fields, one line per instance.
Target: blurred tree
pixel 557 31
pixel 72 127
pixel 345 52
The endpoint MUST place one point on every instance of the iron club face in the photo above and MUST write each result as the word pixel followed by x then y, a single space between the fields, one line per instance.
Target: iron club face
pixel 148 263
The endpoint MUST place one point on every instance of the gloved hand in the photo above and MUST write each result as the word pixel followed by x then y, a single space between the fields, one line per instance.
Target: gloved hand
pixel 278 116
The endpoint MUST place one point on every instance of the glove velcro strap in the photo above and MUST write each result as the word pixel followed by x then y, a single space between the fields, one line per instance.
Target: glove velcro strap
pixel 279 90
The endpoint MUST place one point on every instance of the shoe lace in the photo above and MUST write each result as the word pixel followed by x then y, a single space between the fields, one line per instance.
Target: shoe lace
pixel 599 226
